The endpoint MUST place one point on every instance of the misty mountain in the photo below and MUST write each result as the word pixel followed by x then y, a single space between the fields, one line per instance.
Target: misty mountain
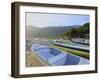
pixel 47 32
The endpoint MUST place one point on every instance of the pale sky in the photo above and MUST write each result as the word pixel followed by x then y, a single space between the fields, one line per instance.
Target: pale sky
pixel 46 19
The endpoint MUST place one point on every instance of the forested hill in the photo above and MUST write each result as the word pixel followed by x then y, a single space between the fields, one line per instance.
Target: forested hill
pixel 47 32
pixel 77 32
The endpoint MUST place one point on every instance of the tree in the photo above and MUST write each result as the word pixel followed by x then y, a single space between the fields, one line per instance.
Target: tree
pixel 84 29
pixel 73 33
pixel 76 32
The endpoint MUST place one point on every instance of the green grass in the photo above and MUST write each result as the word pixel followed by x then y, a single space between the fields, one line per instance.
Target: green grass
pixel 72 51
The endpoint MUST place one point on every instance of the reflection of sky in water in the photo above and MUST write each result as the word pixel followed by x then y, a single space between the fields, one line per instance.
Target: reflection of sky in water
pixel 45 19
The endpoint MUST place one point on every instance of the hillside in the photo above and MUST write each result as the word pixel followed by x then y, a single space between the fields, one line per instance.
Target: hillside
pixel 77 32
pixel 47 32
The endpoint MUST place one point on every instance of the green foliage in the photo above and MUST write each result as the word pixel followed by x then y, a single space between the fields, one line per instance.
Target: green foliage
pixel 77 32
pixel 84 29
pixel 74 32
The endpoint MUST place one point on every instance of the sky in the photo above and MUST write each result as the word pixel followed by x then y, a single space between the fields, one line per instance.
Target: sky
pixel 47 19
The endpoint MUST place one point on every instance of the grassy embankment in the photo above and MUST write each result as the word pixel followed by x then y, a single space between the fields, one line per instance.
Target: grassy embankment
pixel 72 51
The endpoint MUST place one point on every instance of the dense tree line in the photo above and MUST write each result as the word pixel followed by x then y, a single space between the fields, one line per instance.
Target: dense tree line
pixel 76 32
